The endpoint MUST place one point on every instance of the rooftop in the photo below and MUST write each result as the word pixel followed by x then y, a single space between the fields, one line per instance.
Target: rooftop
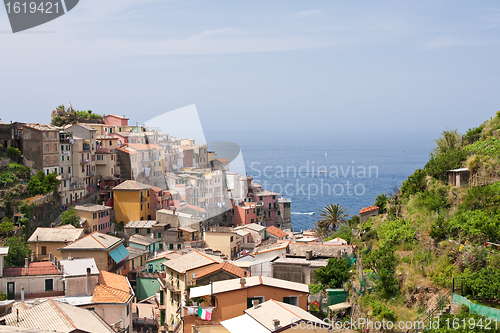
pixel 57 235
pixel 78 267
pixel 318 250
pixel 271 247
pixel 93 241
pixel 224 266
pixel 252 281
pixel 191 261
pixel 34 268
pixel 111 288
pixel 43 127
pixel 252 226
pixel 135 252
pixel 142 240
pixel 131 185
pixel 276 232
pixel 141 224
pixel 288 314
pixel 264 193
pixel 92 208
pixel 57 317
pixel 368 209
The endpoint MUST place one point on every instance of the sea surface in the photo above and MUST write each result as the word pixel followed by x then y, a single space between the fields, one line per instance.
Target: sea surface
pixel 359 165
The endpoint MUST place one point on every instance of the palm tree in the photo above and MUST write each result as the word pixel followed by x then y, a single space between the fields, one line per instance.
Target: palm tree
pixel 330 218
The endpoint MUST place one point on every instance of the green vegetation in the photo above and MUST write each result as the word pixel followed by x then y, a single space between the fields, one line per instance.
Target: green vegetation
pixel 73 116
pixel 43 184
pixel 70 217
pixel 334 274
pixel 18 251
pixel 330 218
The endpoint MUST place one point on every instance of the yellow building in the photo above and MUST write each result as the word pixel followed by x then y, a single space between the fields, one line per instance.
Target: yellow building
pixel 228 243
pixel 106 250
pixel 132 202
pixel 48 240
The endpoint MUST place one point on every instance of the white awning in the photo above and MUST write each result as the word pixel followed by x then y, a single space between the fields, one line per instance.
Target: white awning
pixel 200 291
pixel 340 306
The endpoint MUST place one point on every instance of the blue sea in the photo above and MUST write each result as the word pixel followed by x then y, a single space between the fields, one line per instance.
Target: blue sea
pixel 359 165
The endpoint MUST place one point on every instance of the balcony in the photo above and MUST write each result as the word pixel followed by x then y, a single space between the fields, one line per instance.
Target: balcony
pixel 259 204
pixel 84 161
pixel 172 285
pixel 100 162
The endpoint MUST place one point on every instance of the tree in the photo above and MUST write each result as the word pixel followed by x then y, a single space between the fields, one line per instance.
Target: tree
pixel 18 251
pixel 43 184
pixel 383 262
pixel 442 162
pixel 70 217
pixel 330 218
pixel 381 202
pixel 334 274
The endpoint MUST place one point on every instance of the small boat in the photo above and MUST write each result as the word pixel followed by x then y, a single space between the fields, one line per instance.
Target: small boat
pixel 324 170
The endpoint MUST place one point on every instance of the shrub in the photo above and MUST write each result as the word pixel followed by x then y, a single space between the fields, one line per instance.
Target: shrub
pixel 414 184
pixel 397 231
pixel 315 288
pixel 334 274
pixel 442 162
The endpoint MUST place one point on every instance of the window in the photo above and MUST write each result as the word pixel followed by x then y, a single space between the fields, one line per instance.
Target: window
pixel 44 250
pixel 49 284
pixel 258 298
pixel 171 246
pixel 148 205
pixel 62 147
pixel 260 198
pixel 94 228
pixel 67 158
pixel 62 158
pixel 160 246
pixel 279 212
pixel 178 246
pixel 251 221
pixel 136 230
pixel 62 170
pixel 148 192
pixel 110 142
pixel 231 238
pixel 46 147
pixel 69 169
pixel 64 183
pixel 125 266
pixel 269 205
pixel 248 211
pixel 148 231
pixel 269 214
pixel 133 264
pixel 274 197
pixel 141 206
pixel 159 235
pixel 293 300
pixel 254 210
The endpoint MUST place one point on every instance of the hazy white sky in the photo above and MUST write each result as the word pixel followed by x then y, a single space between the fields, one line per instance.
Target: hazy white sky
pixel 344 65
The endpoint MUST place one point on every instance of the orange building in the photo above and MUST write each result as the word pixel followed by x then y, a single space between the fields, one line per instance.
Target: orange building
pixel 233 297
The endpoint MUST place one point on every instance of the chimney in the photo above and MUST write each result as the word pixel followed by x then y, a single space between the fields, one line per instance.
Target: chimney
pixel 89 292
pixel 255 303
pixel 32 257
pixel 243 281
pixel 26 263
pixel 276 324
pixel 22 294
pixel 309 254
pixel 174 209
pixel 50 256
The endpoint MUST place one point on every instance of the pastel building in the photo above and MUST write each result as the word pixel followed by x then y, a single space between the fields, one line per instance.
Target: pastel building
pixel 97 217
pixel 131 202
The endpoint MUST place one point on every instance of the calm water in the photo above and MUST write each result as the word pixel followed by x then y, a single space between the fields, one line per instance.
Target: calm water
pixel 359 165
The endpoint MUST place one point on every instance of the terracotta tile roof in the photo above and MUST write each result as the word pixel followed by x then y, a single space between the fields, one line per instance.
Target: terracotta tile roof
pixel 225 266
pixel 34 268
pixel 276 232
pixel 368 209
pixel 141 146
pixel 111 288
pixel 223 160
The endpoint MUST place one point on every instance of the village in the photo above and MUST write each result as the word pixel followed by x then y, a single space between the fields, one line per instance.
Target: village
pixel 162 237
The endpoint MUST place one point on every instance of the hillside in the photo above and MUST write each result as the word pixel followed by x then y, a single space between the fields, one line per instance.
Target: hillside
pixel 437 236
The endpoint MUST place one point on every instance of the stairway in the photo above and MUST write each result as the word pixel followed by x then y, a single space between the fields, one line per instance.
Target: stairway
pixel 446 310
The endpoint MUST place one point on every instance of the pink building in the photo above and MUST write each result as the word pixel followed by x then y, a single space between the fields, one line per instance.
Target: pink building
pixel 114 120
pixel 244 213
pixel 160 199
pixel 267 204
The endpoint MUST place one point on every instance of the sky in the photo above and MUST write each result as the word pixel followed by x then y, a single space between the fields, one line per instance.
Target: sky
pixel 400 66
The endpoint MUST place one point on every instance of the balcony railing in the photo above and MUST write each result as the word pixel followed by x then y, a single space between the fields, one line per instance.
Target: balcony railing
pixel 84 161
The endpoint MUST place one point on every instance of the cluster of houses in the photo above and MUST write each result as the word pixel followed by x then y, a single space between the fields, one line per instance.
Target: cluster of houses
pixel 176 242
